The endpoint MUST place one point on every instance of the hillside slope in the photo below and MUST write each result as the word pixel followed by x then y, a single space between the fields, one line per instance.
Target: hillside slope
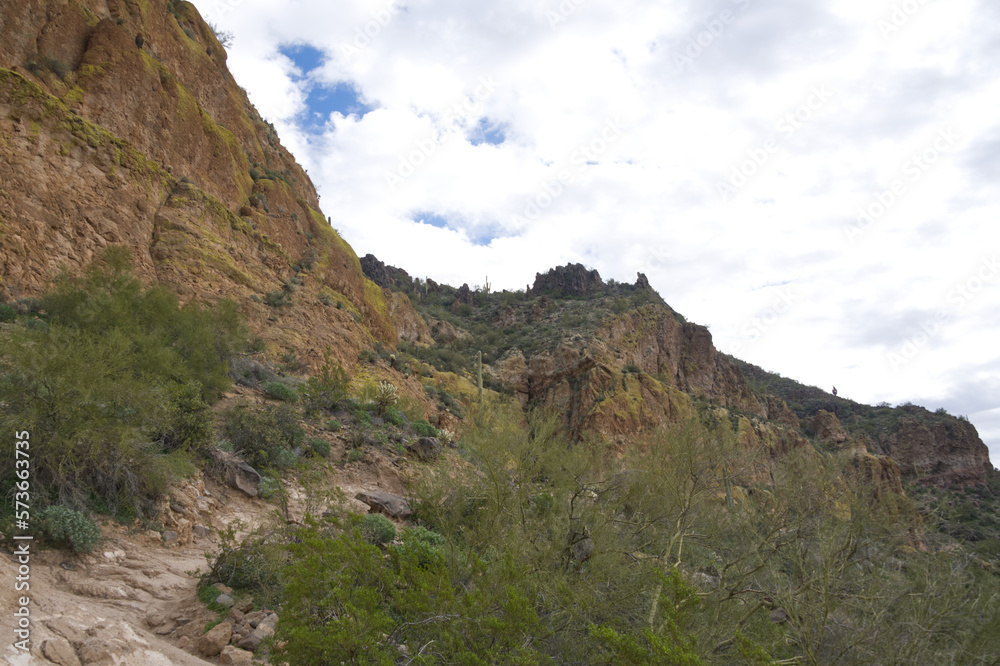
pixel 105 141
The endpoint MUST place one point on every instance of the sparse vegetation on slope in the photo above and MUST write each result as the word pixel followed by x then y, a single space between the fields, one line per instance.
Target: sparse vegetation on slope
pixel 111 380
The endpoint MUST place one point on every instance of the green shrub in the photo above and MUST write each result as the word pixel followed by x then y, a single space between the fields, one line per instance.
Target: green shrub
pixel 360 413
pixel 253 564
pixel 395 417
pixel 421 546
pixel 189 425
pixel 264 436
pixel 7 313
pixel 355 455
pixel 68 527
pixel 111 386
pixel 279 391
pixel 54 65
pixel 268 487
pixel 333 425
pixel 326 388
pixel 319 447
pixel 424 429
pixel 276 299
pixel 377 529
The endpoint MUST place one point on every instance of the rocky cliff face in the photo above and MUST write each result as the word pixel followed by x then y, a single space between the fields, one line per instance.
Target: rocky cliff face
pixel 943 453
pixel 109 139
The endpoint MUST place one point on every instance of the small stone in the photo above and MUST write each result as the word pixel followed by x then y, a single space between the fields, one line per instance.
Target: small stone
pixel 224 600
pixel 236 615
pixel 245 605
pixel 169 536
pixel 184 642
pixel 200 531
pixel 234 655
pixel 59 651
pixel 225 589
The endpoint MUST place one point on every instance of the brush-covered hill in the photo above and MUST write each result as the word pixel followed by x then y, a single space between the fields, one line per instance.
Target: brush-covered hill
pixel 614 358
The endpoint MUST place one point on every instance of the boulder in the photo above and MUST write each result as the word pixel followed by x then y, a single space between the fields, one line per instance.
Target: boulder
pixel 380 501
pixel 217 638
pixel 235 472
pixel 425 448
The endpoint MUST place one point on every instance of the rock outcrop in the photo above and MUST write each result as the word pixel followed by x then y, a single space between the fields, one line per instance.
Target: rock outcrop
pixel 944 453
pixel 566 281
pixel 385 276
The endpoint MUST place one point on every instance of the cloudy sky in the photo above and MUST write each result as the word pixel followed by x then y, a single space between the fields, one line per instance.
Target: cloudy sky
pixel 815 180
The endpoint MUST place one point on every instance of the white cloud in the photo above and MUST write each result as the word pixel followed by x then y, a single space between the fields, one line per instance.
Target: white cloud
pixel 650 201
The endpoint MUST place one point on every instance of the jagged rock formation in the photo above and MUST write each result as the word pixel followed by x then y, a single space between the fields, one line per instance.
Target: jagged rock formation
pixel 389 277
pixel 567 281
pixel 156 147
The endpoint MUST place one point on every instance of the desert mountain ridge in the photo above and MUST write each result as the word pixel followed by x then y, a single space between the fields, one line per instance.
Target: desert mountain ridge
pixel 655 340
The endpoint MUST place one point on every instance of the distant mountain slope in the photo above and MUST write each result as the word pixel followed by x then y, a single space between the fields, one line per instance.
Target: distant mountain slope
pixel 615 358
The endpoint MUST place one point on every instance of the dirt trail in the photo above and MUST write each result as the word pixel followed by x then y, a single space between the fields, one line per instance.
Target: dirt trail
pixel 134 599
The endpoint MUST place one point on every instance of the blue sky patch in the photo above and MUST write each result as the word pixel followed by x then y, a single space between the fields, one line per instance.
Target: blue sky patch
pixel 322 99
pixel 432 219
pixel 484 237
pixel 306 57
pixel 487 131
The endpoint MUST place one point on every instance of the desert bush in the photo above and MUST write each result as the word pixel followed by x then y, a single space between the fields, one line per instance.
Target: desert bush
pixel 252 564
pixel 65 526
pixel 319 447
pixel 424 429
pixel 7 313
pixel 113 389
pixel 326 388
pixel 277 299
pixel 280 391
pixel 395 417
pixel 189 421
pixel 377 529
pixel 264 436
